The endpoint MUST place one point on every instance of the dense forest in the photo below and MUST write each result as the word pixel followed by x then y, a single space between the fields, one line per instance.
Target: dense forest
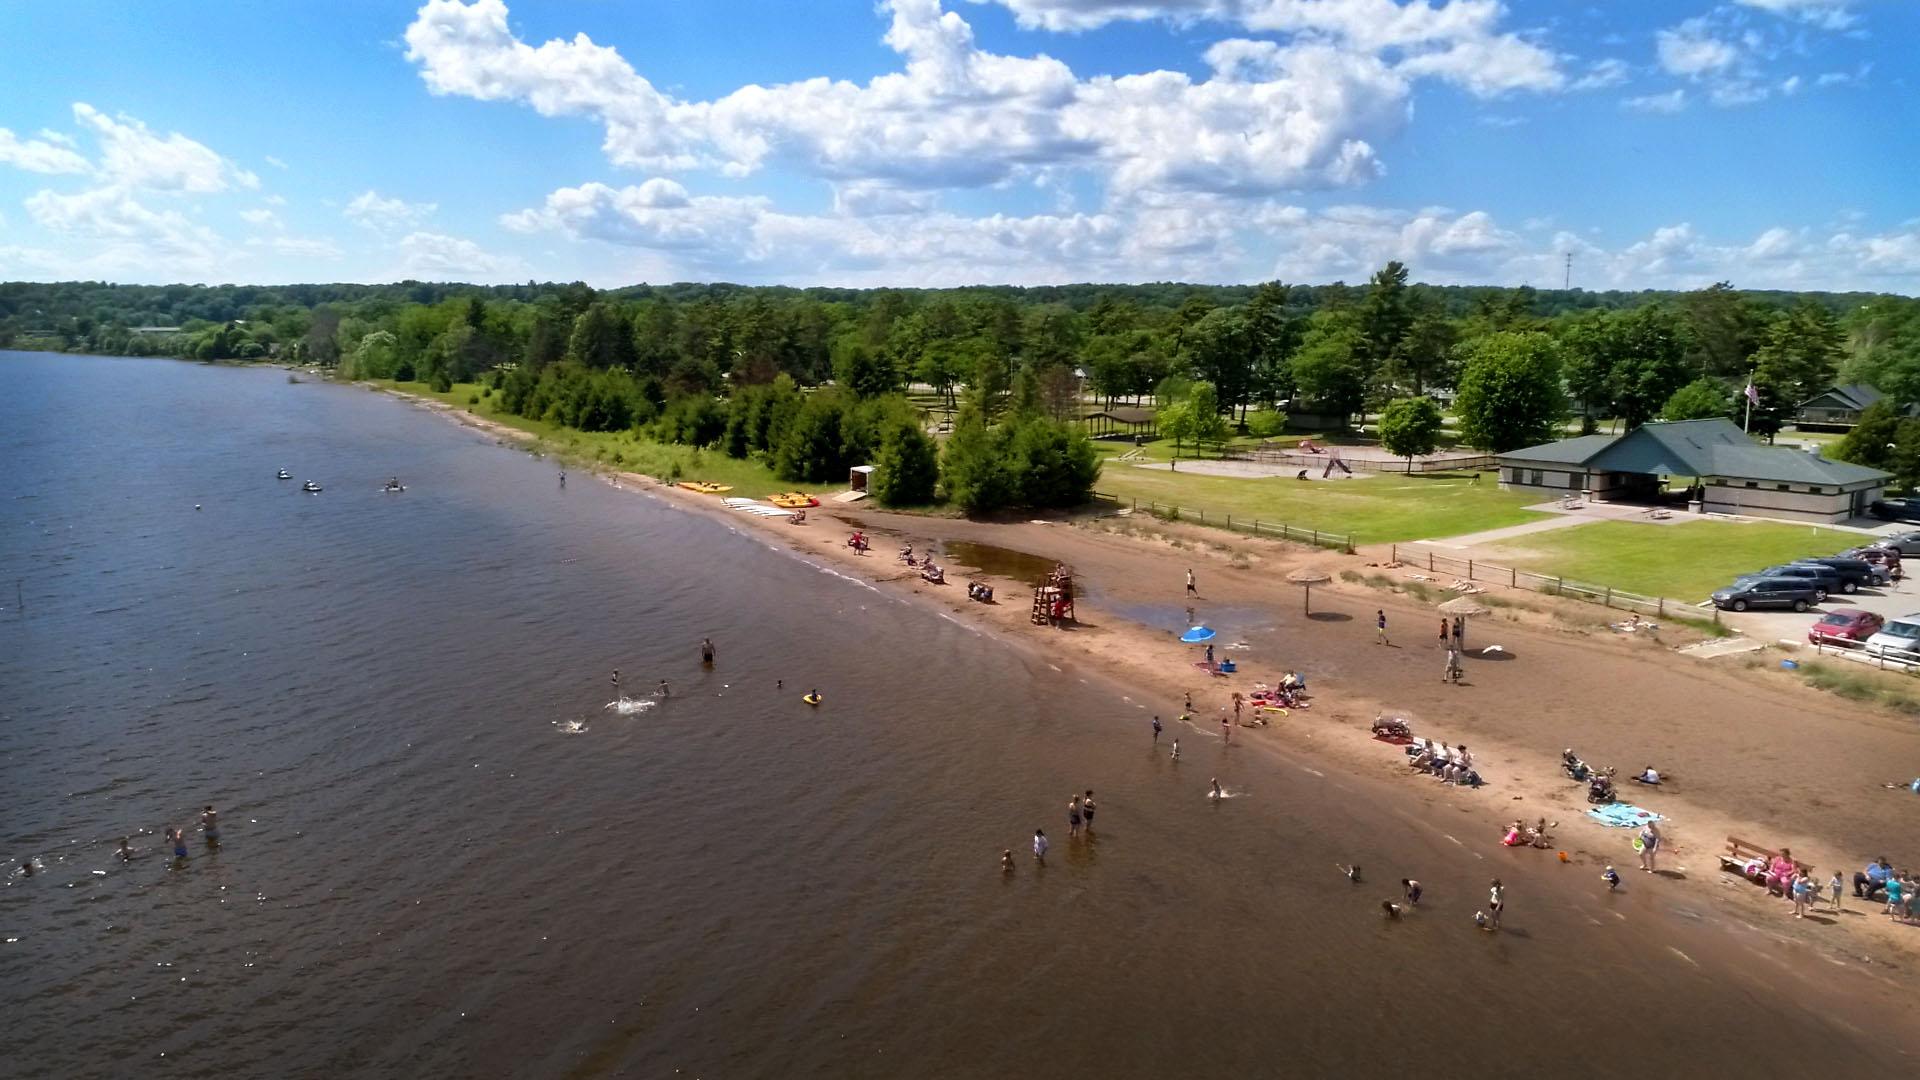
pixel 741 367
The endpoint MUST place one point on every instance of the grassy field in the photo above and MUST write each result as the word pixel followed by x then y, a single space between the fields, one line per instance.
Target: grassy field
pixel 618 450
pixel 1375 510
pixel 1683 562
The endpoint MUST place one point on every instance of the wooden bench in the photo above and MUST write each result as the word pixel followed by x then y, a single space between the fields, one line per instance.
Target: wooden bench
pixel 1741 855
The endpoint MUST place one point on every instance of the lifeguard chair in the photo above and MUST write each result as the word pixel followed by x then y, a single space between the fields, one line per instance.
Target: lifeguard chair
pixel 1053 599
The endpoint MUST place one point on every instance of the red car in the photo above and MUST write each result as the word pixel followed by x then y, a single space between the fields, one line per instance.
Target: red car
pixel 1847 626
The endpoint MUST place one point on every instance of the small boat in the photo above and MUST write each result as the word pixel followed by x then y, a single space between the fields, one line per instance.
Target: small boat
pixel 705 488
pixel 283 475
pixel 310 486
pixel 793 500
pixel 394 489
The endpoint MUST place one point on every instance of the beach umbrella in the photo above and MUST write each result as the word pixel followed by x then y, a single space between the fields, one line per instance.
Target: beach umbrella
pixel 1197 635
pixel 1309 576
pixel 1464 606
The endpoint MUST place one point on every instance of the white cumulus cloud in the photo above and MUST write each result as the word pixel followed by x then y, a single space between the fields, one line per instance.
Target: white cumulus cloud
pixel 377 211
pixel 1272 116
pixel 428 256
pixel 133 156
pixel 1692 49
pixel 1826 14
pixel 42 155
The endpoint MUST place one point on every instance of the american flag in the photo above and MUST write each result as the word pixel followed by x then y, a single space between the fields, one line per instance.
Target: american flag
pixel 1753 396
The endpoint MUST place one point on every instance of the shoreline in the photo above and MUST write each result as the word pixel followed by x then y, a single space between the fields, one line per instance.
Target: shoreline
pixel 1523 774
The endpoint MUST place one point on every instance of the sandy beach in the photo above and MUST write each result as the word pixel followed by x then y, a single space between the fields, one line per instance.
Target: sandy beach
pixel 1749 752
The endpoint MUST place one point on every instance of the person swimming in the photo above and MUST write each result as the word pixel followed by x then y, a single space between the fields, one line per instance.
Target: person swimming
pixel 1006 861
pixel 664 690
pixel 126 851
pixel 1216 793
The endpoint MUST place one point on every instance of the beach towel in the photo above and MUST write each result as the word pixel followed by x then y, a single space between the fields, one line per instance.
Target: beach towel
pixel 1622 816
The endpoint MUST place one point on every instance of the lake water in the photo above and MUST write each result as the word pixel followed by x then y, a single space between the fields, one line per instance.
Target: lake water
pixel 443 857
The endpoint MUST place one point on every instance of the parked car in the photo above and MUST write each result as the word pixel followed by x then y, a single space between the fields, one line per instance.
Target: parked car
pixel 1899 638
pixel 1854 573
pixel 1907 543
pixel 1798 593
pixel 1848 626
pixel 1824 578
pixel 1884 558
pixel 1901 510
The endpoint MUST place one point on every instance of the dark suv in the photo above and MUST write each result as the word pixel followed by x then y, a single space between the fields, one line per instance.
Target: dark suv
pixel 1855 574
pixel 1798 593
pixel 1823 578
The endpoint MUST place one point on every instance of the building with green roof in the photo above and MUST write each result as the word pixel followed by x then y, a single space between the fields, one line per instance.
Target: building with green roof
pixel 1725 471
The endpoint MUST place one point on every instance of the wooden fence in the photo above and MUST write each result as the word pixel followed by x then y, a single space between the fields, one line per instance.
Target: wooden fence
pixel 1606 595
pixel 1278 530
pixel 1317 462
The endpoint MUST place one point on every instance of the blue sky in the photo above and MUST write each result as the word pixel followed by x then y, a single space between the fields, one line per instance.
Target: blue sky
pixel 1664 143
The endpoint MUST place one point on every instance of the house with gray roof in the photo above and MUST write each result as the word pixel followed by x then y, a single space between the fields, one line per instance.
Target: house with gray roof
pixel 1837 408
pixel 1731 474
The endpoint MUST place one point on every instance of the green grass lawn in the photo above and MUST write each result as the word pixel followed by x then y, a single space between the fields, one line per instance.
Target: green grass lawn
pixel 1379 509
pixel 618 449
pixel 1682 562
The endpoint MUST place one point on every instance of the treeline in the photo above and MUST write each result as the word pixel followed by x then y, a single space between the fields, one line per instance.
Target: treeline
pixel 688 362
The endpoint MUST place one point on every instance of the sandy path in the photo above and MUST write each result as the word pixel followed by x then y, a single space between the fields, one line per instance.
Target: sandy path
pixel 1751 753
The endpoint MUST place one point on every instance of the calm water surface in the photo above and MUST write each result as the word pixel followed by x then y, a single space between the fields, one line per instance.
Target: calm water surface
pixel 427 871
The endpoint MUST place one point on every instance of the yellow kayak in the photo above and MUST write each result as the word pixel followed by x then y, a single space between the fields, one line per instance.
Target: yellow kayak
pixel 793 500
pixel 706 489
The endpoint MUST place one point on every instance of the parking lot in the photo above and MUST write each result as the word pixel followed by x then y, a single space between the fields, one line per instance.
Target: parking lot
pixel 1890 602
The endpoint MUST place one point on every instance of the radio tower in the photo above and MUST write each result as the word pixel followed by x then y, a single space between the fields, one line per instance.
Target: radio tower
pixel 1567 281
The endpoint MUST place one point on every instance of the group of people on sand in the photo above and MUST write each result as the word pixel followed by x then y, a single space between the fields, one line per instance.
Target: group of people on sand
pixel 1451 764
pixel 1880 881
pixel 176 840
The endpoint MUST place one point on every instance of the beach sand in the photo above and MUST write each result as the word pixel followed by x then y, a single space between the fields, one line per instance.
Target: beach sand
pixel 1751 753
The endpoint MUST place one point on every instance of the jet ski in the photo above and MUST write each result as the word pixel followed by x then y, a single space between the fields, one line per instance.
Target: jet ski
pixel 283 475
pixel 310 486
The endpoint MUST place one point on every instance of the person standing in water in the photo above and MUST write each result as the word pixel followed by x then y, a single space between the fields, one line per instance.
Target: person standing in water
pixel 706 651
pixel 1006 861
pixel 1226 728
pixel 1412 890
pixel 126 850
pixel 210 825
pixel 1176 749
pixel 1040 845
pixel 179 838
pixel 1073 817
pixel 1216 793
pixel 616 684
pixel 563 480
pixel 1156 729
pixel 664 690
pixel 1086 810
